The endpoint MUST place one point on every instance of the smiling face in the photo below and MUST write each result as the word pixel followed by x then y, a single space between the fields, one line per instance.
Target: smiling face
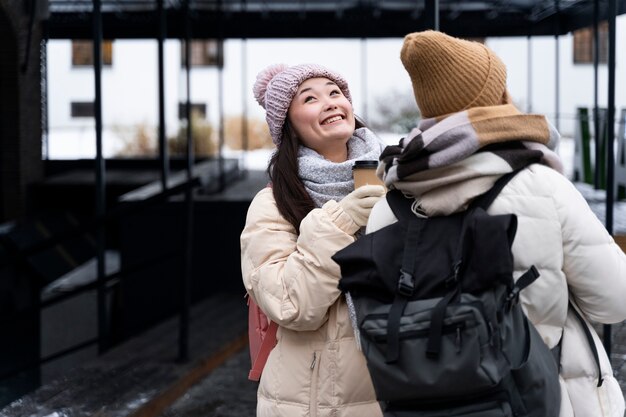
pixel 322 118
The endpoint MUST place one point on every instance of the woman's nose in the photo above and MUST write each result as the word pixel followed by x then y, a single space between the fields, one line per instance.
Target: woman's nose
pixel 330 106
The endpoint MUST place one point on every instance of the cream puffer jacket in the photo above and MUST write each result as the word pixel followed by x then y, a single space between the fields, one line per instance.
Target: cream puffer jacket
pixel 559 234
pixel 316 368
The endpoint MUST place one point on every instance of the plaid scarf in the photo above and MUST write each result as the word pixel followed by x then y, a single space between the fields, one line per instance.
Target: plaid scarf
pixel 444 163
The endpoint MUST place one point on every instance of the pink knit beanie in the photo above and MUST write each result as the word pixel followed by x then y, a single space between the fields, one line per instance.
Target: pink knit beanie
pixel 276 86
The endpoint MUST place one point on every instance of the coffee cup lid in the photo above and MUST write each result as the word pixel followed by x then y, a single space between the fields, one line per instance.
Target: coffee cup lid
pixel 365 164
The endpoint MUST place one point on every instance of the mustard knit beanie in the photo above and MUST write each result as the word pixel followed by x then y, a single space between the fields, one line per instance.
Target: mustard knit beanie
pixel 450 74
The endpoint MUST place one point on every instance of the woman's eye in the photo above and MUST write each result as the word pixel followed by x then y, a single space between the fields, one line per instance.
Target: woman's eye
pixel 335 92
pixel 308 98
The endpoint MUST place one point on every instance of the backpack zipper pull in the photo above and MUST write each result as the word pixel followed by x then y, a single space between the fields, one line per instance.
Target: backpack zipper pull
pixel 457 269
pixel 458 339
pixel 453 279
pixel 314 360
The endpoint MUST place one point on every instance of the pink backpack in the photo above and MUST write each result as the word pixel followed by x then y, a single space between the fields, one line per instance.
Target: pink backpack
pixel 262 338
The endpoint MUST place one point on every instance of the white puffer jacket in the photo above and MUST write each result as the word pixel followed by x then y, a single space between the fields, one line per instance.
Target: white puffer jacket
pixel 316 368
pixel 559 234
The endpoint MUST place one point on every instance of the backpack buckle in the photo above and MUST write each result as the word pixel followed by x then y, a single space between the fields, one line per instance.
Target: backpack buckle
pixel 457 269
pixel 453 279
pixel 513 297
pixel 406 284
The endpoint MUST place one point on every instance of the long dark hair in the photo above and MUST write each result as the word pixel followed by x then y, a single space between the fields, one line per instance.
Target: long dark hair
pixel 292 199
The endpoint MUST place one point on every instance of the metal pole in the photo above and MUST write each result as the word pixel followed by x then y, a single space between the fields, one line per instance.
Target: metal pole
pixel 529 76
pixel 189 143
pixel 244 102
pixel 100 178
pixel 185 300
pixel 364 76
pixel 610 154
pixel 220 75
pixel 163 151
pixel 44 98
pixel 596 120
pixel 29 35
pixel 557 86
pixel 432 14
pixel 220 101
pixel 244 93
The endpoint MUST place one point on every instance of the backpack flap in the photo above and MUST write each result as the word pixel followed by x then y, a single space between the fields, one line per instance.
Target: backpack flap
pixel 487 258
pixel 369 272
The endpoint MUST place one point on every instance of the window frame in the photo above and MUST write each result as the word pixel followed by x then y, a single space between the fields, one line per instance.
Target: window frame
pixel 205 53
pixel 583 45
pixel 200 109
pixel 82 53
pixel 82 109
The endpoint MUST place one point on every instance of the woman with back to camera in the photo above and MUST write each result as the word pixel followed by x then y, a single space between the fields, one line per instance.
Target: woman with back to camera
pixel 293 227
pixel 472 134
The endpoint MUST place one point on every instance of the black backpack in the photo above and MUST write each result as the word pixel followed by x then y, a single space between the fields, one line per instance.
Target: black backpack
pixel 439 318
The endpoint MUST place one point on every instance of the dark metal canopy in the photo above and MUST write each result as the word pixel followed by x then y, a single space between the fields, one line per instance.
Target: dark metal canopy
pixel 71 19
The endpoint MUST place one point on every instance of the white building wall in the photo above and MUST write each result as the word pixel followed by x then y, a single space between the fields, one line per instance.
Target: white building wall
pixel 576 87
pixel 129 95
pixel 130 86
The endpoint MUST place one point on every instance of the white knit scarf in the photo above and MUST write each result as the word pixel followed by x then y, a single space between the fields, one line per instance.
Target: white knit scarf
pixel 325 180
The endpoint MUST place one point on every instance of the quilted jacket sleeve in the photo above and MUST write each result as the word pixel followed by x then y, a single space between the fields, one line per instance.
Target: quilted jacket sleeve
pixel 594 265
pixel 292 277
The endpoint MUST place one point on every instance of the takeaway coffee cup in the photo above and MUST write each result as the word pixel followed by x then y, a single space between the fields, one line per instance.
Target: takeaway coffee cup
pixel 364 172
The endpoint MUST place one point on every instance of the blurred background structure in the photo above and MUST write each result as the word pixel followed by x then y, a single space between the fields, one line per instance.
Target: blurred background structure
pixel 130 147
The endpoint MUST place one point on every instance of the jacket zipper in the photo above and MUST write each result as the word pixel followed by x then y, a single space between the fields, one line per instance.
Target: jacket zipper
pixel 314 376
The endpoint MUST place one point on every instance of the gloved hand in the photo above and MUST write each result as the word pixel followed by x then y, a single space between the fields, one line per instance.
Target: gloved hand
pixel 358 204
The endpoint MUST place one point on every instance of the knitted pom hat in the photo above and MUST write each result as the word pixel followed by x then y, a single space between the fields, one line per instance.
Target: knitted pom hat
pixel 450 74
pixel 276 86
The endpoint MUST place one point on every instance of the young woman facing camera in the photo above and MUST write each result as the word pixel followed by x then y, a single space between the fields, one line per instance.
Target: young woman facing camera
pixel 293 228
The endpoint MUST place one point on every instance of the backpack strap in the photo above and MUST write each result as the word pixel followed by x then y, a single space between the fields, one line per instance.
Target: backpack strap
pixel 485 200
pixel 268 343
pixel 400 205
pixel 522 282
pixel 433 345
pixel 592 343
pixel 405 289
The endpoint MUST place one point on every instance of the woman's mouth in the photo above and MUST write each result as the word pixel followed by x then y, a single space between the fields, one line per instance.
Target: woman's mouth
pixel 332 120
